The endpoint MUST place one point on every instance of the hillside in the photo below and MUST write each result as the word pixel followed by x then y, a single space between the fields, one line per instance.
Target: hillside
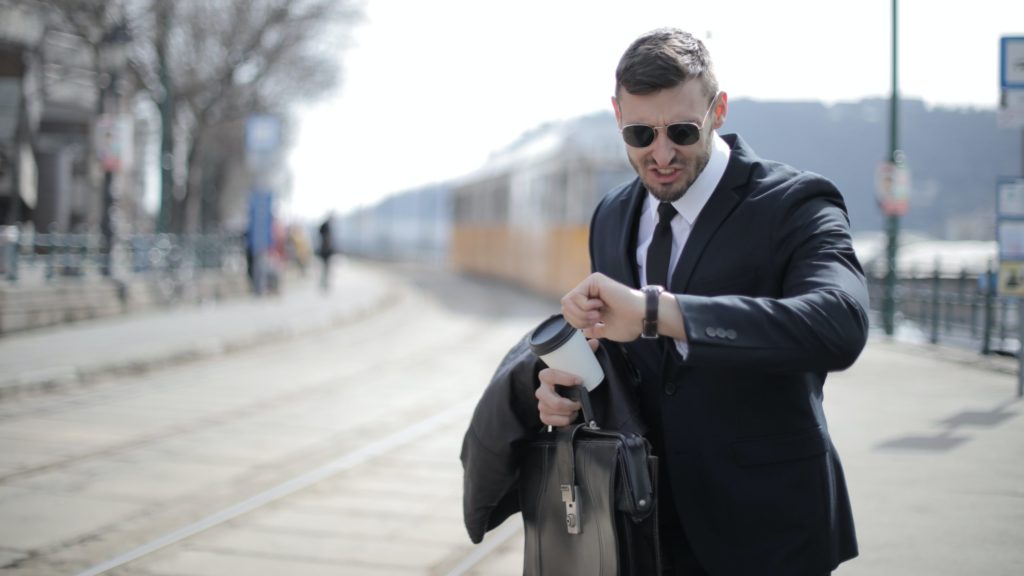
pixel 955 156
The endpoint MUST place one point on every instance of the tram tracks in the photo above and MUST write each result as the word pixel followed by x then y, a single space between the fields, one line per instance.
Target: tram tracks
pixel 118 548
pixel 346 462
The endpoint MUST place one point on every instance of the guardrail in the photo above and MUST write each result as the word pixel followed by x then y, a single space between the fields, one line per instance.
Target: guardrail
pixel 50 256
pixel 54 278
pixel 961 309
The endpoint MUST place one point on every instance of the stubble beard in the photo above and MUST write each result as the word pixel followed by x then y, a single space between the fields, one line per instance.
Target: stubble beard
pixel 675 191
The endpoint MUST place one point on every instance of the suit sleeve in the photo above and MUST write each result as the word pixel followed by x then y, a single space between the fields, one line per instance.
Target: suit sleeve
pixel 819 321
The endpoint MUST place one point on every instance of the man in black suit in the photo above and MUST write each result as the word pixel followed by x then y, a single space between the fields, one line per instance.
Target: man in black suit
pixel 732 282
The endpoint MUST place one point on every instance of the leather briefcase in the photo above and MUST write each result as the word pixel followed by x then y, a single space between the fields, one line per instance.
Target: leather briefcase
pixel 588 500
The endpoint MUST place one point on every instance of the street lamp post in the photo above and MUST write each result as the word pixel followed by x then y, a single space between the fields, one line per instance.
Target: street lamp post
pixel 113 57
pixel 892 216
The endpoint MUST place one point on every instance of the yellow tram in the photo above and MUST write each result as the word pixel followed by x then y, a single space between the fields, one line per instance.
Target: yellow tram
pixel 524 216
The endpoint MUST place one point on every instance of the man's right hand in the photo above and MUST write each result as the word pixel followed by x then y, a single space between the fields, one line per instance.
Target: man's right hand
pixel 555 409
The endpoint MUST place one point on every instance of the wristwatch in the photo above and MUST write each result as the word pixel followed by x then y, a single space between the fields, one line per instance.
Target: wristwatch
pixel 650 326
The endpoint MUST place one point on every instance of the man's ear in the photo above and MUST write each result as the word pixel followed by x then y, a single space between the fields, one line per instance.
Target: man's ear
pixel 721 110
pixel 618 112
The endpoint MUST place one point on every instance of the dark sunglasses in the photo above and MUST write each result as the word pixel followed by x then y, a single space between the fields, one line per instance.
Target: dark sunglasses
pixel 680 133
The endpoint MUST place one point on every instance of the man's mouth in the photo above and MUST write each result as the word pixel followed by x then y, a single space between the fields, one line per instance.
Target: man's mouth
pixel 665 175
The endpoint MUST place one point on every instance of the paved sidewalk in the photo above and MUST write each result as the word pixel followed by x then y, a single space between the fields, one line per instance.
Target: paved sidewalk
pixel 71 354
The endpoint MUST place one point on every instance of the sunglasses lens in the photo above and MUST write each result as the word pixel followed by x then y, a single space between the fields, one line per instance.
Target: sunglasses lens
pixel 638 135
pixel 683 133
pixel 641 136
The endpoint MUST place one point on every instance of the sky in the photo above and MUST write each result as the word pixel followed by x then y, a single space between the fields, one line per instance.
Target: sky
pixel 431 88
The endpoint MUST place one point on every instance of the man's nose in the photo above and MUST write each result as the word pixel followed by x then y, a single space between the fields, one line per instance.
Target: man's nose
pixel 663 150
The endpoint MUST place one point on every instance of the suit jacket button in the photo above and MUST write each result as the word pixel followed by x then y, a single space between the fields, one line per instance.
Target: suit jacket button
pixel 670 388
pixel 709 331
pixel 720 332
pixel 730 334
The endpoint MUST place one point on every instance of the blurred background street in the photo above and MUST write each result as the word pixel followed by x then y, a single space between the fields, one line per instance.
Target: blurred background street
pixel 258 259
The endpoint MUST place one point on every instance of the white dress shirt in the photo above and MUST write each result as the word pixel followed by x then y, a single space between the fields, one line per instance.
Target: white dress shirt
pixel 688 208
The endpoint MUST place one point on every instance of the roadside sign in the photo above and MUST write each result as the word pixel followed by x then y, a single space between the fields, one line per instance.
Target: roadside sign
pixel 1010 236
pixel 262 139
pixel 1011 82
pixel 1010 198
pixel 261 209
pixel 892 182
pixel 111 141
pixel 1011 239
pixel 1011 62
pixel 1011 278
pixel 1010 113
pixel 262 134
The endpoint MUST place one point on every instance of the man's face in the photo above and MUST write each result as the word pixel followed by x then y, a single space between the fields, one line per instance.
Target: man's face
pixel 665 167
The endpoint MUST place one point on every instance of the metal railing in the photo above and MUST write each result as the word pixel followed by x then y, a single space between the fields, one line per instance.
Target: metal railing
pixel 961 309
pixel 174 260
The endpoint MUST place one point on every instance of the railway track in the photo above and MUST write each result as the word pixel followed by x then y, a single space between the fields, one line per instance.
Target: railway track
pixel 345 460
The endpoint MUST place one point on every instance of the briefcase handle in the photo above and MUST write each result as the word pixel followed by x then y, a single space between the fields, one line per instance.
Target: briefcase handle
pixel 581 395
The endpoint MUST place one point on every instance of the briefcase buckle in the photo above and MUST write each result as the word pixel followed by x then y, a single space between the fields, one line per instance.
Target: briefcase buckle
pixel 571 498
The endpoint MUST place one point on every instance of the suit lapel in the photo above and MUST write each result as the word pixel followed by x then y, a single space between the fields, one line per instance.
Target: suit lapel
pixel 723 200
pixel 626 268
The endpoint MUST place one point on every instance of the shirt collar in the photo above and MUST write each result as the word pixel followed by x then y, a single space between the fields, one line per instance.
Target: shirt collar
pixel 698 194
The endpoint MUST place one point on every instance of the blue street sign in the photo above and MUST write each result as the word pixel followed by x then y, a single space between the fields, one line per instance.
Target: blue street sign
pixel 262 134
pixel 1011 62
pixel 259 234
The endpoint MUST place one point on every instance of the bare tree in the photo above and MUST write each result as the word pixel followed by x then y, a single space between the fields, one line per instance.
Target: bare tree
pixel 210 63
pixel 245 60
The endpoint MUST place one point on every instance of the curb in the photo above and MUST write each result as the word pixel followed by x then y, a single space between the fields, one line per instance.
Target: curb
pixel 59 378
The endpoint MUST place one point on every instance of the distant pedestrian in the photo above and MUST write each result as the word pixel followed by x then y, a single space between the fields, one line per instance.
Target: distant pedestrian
pixel 326 250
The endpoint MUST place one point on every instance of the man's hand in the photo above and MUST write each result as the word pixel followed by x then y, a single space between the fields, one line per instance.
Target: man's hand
pixel 555 409
pixel 604 308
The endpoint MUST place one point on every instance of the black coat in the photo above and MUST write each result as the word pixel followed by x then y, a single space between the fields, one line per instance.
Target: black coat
pixel 506 417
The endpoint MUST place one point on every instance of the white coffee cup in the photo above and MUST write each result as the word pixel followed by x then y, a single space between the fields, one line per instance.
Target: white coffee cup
pixel 564 348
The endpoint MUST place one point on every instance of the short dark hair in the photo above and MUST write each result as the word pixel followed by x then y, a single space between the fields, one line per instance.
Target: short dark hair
pixel 664 58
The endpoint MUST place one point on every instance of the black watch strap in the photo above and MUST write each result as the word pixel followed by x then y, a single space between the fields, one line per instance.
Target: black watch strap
pixel 650 326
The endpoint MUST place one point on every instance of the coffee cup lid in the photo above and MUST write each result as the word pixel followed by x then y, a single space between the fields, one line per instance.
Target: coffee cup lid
pixel 550 334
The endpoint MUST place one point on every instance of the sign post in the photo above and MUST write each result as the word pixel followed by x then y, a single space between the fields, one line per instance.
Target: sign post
pixel 262 141
pixel 1010 237
pixel 1010 200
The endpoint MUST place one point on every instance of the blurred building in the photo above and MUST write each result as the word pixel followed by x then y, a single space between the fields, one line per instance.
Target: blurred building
pixel 21 33
pixel 68 116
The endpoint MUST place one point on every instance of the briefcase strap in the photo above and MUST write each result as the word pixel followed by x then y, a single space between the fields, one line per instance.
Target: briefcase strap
pixel 636 476
pixel 581 395
pixel 565 458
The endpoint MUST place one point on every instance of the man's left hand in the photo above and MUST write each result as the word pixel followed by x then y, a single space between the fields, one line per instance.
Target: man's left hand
pixel 604 308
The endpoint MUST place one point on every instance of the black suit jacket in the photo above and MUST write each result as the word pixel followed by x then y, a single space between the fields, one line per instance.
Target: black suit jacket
pixel 773 298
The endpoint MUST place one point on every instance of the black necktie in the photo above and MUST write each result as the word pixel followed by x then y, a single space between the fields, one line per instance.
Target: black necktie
pixel 659 252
